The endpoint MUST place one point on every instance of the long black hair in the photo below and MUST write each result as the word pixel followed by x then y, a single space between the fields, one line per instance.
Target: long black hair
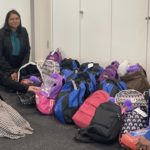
pixel 6 25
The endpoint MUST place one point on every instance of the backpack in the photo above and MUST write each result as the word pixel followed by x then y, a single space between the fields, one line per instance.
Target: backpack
pixel 44 104
pixel 51 86
pixel 46 96
pixel 135 118
pixel 89 80
pixel 83 116
pixel 68 74
pixel 105 126
pixel 69 63
pixel 69 100
pixel 137 99
pixel 112 86
pixel 93 68
pixel 69 68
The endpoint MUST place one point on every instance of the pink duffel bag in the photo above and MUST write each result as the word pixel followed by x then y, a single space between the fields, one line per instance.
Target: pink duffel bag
pixel 83 116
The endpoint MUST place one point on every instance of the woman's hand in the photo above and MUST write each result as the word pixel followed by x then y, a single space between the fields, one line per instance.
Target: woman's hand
pixel 33 89
pixel 14 76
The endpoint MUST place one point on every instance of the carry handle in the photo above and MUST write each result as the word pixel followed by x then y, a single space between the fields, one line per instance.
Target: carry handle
pixel 74 85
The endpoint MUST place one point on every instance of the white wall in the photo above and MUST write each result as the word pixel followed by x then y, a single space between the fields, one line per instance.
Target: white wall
pixel 22 6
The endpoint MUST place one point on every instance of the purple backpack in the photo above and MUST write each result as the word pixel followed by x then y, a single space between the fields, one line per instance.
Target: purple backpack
pixel 110 72
pixel 55 56
pixel 51 86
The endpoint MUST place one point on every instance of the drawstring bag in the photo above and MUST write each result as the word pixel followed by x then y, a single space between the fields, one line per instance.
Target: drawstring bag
pixel 51 63
pixel 29 74
pixel 55 55
pixel 51 86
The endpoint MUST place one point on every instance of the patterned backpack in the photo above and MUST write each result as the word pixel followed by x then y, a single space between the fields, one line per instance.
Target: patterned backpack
pixel 136 118
pixel 134 96
pixel 51 63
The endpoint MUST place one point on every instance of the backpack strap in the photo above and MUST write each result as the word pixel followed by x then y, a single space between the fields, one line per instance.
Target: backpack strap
pixel 82 136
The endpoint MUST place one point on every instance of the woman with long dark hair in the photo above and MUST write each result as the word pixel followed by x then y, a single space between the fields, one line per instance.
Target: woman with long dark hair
pixel 14 51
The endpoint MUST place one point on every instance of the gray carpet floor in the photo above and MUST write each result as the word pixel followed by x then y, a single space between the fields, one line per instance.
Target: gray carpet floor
pixel 49 134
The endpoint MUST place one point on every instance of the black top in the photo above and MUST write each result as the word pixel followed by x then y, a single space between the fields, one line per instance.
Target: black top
pixel 7 63
pixel 10 84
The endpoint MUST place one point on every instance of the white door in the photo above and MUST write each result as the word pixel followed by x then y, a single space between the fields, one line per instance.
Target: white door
pixel 65 27
pixel 95 31
pixel 129 31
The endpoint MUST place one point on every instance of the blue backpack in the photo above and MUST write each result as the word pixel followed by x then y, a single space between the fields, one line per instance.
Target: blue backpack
pixel 69 100
pixel 112 86
pixel 89 80
pixel 69 63
pixel 68 74
pixel 69 68
pixel 92 68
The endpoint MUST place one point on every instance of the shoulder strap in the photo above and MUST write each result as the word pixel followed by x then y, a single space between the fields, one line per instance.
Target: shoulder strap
pixel 82 136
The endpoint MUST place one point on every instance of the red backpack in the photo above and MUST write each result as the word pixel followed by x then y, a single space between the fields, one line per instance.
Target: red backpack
pixel 83 116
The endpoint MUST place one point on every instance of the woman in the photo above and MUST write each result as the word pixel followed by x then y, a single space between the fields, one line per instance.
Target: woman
pixel 12 85
pixel 14 51
pixel 14 45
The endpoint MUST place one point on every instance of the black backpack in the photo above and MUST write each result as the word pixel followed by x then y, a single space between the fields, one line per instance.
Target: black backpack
pixel 105 126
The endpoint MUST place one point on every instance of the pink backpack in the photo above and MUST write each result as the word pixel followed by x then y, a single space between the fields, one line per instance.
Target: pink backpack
pixel 46 96
pixel 44 105
pixel 83 116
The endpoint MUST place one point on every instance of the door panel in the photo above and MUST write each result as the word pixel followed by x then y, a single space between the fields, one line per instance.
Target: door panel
pixel 95 31
pixel 65 27
pixel 129 30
